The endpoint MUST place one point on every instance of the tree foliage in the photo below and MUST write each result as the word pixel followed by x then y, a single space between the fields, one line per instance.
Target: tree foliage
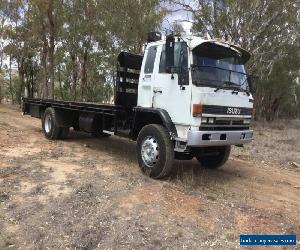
pixel 269 29
pixel 67 49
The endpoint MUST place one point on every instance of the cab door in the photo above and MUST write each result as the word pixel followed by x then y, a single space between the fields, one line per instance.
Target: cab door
pixel 168 94
pixel 147 78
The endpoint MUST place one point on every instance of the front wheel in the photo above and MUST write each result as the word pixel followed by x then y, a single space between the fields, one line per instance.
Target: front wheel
pixel 155 151
pixel 214 157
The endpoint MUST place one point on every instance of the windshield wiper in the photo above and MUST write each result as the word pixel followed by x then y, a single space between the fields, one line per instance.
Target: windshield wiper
pixel 227 85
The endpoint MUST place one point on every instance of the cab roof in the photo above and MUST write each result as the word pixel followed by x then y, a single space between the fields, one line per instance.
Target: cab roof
pixel 195 41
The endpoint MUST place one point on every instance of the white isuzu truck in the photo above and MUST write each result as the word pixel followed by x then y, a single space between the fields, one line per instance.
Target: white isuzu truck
pixel 185 97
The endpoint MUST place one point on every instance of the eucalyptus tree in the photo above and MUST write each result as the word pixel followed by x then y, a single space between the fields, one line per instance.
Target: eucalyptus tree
pixel 20 44
pixel 129 21
pixel 72 45
pixel 46 21
pixel 269 29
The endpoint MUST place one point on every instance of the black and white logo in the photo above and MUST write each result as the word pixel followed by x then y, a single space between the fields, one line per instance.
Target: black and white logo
pixel 233 111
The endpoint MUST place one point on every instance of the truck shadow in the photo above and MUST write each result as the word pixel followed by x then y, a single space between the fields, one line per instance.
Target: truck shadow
pixel 191 173
pixel 116 147
pixel 124 149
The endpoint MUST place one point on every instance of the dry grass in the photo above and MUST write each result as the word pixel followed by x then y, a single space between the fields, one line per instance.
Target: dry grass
pixel 62 194
pixel 281 124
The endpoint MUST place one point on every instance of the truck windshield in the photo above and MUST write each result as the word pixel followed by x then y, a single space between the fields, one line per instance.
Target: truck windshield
pixel 217 66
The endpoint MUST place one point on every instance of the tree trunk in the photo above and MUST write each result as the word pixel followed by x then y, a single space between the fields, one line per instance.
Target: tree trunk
pixel 21 71
pixel 51 48
pixel 84 74
pixel 60 84
pixel 44 88
pixel 74 75
pixel 10 81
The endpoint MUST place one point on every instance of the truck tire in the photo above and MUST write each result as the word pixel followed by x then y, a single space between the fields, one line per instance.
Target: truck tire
pixel 217 159
pixel 49 124
pixel 155 151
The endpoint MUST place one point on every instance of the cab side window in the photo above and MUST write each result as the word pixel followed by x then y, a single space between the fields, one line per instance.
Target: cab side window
pixel 180 59
pixel 149 64
pixel 162 63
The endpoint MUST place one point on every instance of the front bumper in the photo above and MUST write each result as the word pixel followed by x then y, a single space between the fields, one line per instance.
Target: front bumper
pixel 218 138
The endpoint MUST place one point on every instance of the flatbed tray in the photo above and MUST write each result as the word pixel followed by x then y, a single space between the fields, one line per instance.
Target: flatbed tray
pixel 84 106
pixel 72 103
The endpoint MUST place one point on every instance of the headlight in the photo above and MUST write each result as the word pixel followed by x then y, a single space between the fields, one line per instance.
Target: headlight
pixel 204 120
pixel 211 120
pixel 247 121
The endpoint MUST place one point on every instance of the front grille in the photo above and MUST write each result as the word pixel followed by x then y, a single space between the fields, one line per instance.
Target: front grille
pixel 223 110
pixel 222 122
pixel 240 122
pixel 220 128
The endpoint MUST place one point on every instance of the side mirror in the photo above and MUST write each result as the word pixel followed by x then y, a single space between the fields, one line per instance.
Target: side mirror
pixel 170 44
pixel 154 37
pixel 252 83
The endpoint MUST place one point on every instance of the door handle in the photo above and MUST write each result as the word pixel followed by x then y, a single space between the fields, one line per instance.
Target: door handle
pixel 157 91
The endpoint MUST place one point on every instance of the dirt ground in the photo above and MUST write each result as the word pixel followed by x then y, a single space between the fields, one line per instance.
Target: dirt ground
pixel 87 193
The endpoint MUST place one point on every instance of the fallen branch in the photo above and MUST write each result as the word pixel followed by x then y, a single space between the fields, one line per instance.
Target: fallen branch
pixel 295 164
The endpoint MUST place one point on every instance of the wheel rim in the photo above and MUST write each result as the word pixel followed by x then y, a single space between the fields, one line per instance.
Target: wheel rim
pixel 150 151
pixel 48 123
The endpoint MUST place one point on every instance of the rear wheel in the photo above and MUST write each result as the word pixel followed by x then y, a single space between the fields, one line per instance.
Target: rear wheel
pixel 155 151
pixel 50 127
pixel 214 157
